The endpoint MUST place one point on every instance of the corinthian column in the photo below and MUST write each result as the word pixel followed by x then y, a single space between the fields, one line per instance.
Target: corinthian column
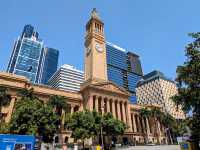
pixel 113 108
pixel 134 124
pixel 128 115
pixel 72 108
pixel 147 123
pixel 139 124
pixel 90 103
pixel 108 105
pixel 118 110
pixel 124 113
pixel 102 105
pixel 96 104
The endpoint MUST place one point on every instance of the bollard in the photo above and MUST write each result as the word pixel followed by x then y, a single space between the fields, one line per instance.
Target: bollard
pixel 75 147
pixel 98 147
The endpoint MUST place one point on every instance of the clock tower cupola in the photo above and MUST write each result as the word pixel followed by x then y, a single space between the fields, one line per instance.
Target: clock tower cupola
pixel 95 50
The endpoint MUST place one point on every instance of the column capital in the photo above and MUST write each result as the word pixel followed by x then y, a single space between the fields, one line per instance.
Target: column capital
pixel 73 105
pixel 13 96
pixel 117 101
pixel 112 100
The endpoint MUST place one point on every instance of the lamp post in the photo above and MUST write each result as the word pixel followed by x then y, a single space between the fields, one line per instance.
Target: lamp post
pixel 170 137
pixel 102 108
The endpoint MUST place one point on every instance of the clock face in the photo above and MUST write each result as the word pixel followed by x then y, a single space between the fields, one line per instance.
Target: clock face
pixel 98 48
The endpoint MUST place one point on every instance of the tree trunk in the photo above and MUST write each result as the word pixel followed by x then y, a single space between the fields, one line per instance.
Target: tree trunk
pixel 83 145
pixel 1 115
pixel 170 137
pixel 196 145
pixel 147 138
pixel 157 133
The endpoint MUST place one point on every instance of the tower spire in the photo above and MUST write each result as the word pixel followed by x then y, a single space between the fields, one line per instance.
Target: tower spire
pixel 94 14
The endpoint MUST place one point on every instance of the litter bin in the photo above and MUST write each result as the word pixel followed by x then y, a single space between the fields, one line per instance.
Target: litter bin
pixel 98 147
pixel 187 146
pixel 75 146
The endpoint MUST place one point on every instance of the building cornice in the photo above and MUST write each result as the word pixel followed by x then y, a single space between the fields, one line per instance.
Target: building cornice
pixel 20 82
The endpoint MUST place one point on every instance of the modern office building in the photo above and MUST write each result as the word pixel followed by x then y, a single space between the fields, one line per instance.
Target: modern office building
pixel 26 55
pixel 67 78
pixel 156 89
pixel 123 68
pixel 49 64
pixel 29 58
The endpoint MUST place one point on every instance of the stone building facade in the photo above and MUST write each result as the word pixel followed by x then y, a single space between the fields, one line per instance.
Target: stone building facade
pixel 94 96
pixel 95 93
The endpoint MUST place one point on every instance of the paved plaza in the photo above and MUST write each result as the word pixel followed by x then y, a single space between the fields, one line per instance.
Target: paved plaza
pixel 160 147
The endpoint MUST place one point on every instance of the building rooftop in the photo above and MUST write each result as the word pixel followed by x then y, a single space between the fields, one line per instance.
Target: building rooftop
pixel 115 46
pixel 153 76
pixel 120 48
pixel 67 66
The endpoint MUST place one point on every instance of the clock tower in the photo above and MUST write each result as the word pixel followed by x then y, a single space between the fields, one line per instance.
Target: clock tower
pixel 95 50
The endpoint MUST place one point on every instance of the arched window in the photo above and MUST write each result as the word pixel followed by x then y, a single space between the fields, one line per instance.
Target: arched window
pixel 99 104
pixel 94 102
pixel 56 139
pixel 105 105
pixel 66 139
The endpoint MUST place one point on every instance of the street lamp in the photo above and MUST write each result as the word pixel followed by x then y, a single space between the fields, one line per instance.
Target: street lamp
pixel 167 130
pixel 102 109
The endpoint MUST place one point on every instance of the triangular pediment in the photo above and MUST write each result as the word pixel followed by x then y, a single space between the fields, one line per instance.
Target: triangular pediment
pixel 110 86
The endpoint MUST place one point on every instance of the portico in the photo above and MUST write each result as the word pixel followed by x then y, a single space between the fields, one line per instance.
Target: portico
pixel 108 96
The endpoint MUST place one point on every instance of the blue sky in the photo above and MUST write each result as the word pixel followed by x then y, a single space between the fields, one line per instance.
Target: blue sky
pixel 154 29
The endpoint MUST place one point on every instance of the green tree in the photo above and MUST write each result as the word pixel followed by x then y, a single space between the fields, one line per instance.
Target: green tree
pixel 172 126
pixel 26 93
pixel 97 122
pixel 82 125
pixel 169 123
pixel 164 118
pixel 145 113
pixel 156 114
pixel 32 116
pixel 86 124
pixel 179 127
pixel 5 99
pixel 4 128
pixel 112 126
pixel 58 102
pixel 188 79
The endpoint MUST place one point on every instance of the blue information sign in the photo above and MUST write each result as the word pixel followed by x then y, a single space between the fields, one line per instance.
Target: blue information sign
pixel 16 142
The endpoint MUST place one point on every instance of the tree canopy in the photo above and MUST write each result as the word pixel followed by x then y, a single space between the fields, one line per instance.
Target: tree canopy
pixel 188 79
pixel 58 102
pixel 27 94
pixel 112 126
pixel 5 99
pixel 32 116
pixel 86 124
pixel 82 125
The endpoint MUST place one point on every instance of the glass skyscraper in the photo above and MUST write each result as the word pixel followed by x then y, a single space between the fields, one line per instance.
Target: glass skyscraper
pixel 123 68
pixel 49 64
pixel 28 56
